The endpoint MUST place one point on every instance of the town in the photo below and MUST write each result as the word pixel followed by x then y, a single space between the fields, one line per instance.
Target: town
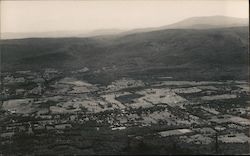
pixel 53 113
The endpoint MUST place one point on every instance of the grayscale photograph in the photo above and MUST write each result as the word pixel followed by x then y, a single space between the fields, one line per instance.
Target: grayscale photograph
pixel 124 77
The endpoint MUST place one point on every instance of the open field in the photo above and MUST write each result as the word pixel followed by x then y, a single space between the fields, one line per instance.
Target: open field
pixel 72 113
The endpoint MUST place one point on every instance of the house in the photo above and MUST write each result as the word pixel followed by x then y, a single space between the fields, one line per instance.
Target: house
pixel 20 91
pixel 63 126
pixel 7 134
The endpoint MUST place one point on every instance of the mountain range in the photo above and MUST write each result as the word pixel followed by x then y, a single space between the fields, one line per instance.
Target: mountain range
pixel 206 22
pixel 197 48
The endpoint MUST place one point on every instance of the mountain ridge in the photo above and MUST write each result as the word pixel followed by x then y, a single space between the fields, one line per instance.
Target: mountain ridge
pixel 183 53
pixel 203 22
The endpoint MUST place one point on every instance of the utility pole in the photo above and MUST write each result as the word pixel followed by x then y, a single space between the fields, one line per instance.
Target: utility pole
pixel 1 74
pixel 216 143
pixel 216 147
pixel 1 78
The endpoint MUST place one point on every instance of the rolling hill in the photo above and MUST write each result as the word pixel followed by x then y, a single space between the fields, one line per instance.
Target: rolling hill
pixel 218 53
pixel 209 22
pixel 166 51
pixel 205 22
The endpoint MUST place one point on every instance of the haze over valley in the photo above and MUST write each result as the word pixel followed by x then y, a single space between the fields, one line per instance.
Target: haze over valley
pixel 132 87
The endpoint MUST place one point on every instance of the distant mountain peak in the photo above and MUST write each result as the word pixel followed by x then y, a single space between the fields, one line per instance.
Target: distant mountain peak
pixel 202 22
pixel 206 22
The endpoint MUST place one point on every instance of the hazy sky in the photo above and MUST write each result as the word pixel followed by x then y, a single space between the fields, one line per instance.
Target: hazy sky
pixel 43 16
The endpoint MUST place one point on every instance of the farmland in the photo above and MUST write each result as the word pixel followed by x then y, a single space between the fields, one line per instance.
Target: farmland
pixel 58 113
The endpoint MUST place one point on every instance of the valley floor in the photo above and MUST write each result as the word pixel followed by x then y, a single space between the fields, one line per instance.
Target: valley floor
pixel 53 113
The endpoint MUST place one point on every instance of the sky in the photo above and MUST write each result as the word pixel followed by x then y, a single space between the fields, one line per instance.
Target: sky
pixel 86 15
